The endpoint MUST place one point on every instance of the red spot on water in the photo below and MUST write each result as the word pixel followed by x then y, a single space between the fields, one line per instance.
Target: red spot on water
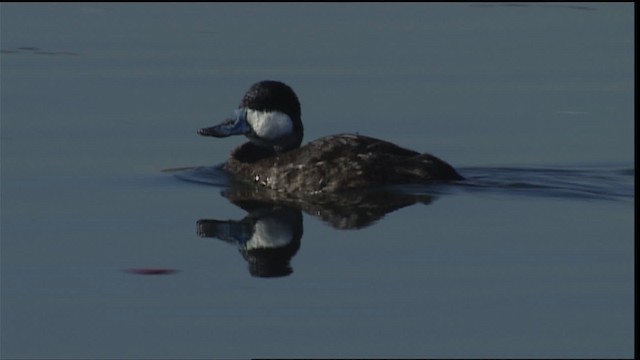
pixel 152 271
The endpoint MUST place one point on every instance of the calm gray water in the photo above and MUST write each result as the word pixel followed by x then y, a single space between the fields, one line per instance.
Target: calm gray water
pixel 105 255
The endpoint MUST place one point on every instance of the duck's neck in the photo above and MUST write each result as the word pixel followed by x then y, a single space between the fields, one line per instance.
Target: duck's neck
pixel 250 152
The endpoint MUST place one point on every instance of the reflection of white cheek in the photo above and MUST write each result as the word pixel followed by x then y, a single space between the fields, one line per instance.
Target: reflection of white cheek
pixel 270 233
pixel 269 125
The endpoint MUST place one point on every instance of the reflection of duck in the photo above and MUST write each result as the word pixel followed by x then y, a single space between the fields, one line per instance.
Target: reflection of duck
pixel 268 237
pixel 349 210
pixel 270 116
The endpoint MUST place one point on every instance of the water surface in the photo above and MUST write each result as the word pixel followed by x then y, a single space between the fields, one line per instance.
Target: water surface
pixel 105 255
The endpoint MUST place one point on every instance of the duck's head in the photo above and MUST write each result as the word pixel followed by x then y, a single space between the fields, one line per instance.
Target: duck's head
pixel 269 115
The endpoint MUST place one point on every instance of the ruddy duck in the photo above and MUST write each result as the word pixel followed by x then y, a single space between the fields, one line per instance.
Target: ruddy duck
pixel 270 116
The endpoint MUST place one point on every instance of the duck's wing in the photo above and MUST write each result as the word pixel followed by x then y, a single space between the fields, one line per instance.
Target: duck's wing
pixel 348 161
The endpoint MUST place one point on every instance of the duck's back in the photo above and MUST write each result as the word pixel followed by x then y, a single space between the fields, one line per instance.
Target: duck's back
pixel 338 162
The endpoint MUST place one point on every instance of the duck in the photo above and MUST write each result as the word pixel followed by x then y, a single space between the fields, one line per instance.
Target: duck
pixel 270 116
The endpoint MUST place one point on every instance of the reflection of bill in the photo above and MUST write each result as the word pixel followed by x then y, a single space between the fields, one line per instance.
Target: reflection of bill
pixel 270 235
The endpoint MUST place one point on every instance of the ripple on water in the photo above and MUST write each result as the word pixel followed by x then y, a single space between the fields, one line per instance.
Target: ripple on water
pixel 605 182
pixel 210 175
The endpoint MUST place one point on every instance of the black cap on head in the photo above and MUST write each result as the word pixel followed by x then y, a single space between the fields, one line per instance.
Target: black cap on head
pixel 270 95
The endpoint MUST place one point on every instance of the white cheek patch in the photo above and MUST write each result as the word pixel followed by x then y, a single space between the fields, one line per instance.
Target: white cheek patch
pixel 269 125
